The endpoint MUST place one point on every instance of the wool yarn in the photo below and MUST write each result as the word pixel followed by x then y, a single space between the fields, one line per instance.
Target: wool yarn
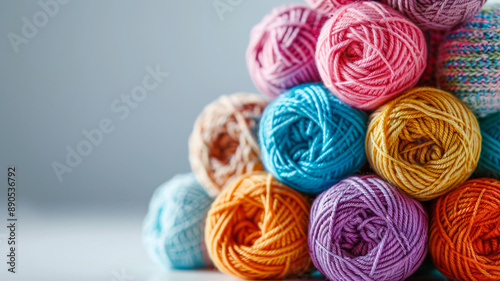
pixel 310 139
pixel 425 141
pixel 464 233
pixel 173 228
pixel 434 39
pixel 468 64
pixel 368 53
pixel 328 6
pixel 363 228
pixel 281 50
pixel 257 229
pixel 436 14
pixel 489 162
pixel 223 144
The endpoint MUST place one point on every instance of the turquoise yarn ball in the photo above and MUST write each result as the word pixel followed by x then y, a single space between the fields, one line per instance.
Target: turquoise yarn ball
pixel 310 139
pixel 173 230
pixel 489 162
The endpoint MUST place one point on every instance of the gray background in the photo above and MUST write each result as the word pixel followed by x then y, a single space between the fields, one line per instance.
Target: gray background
pixel 64 80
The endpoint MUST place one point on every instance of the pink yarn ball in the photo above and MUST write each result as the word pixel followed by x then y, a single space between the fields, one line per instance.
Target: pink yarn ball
pixel 328 6
pixel 367 53
pixel 436 14
pixel 281 51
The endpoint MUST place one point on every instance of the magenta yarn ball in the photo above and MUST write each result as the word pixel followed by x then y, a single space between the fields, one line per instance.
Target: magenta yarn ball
pixel 328 6
pixel 436 14
pixel 367 53
pixel 363 228
pixel 281 50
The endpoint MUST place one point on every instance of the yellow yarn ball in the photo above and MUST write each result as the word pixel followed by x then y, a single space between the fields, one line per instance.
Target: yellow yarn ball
pixel 426 141
pixel 257 229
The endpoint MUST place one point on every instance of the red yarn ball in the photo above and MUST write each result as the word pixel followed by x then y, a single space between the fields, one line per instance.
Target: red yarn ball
pixel 328 6
pixel 281 50
pixel 367 53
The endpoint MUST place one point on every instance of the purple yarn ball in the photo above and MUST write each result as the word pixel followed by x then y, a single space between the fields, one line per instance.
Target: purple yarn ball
pixel 363 228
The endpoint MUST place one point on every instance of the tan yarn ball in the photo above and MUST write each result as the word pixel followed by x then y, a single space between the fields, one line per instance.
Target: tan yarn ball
pixel 426 142
pixel 223 144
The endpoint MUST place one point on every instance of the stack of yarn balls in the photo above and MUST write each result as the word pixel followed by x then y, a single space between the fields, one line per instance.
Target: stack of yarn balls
pixel 375 146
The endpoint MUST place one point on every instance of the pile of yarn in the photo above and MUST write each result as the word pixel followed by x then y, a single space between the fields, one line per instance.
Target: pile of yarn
pixel 325 170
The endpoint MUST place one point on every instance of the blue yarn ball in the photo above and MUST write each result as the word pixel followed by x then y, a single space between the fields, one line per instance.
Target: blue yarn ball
pixel 173 229
pixel 489 162
pixel 310 139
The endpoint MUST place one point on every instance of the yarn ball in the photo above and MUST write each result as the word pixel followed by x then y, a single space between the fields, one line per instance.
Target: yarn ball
pixel 489 162
pixel 281 50
pixel 368 53
pixel 223 144
pixel 328 6
pixel 468 64
pixel 310 139
pixel 464 231
pixel 425 141
pixel 363 228
pixel 257 229
pixel 173 228
pixel 436 14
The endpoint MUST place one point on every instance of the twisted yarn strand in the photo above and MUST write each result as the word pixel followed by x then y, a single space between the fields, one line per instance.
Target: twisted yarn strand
pixel 426 142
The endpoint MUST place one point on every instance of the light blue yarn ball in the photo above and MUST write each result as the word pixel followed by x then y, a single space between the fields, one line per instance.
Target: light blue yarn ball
pixel 173 230
pixel 489 162
pixel 310 139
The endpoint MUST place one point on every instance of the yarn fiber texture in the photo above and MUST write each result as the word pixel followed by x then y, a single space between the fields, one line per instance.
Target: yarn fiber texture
pixel 464 233
pixel 173 228
pixel 468 64
pixel 425 141
pixel 363 228
pixel 328 6
pixel 436 14
pixel 223 144
pixel 368 53
pixel 257 229
pixel 281 50
pixel 310 139
pixel 489 162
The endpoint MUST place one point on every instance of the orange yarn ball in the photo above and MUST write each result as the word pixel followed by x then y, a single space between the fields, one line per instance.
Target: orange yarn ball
pixel 426 142
pixel 465 231
pixel 257 229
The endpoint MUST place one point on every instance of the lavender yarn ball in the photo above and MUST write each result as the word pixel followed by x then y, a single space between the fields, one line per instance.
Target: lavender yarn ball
pixel 173 230
pixel 363 228
pixel 436 14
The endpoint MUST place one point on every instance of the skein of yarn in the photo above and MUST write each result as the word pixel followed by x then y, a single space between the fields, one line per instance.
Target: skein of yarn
pixel 468 64
pixel 426 141
pixel 436 14
pixel 281 50
pixel 310 139
pixel 173 228
pixel 363 228
pixel 464 231
pixel 328 6
pixel 489 162
pixel 223 144
pixel 368 53
pixel 257 229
